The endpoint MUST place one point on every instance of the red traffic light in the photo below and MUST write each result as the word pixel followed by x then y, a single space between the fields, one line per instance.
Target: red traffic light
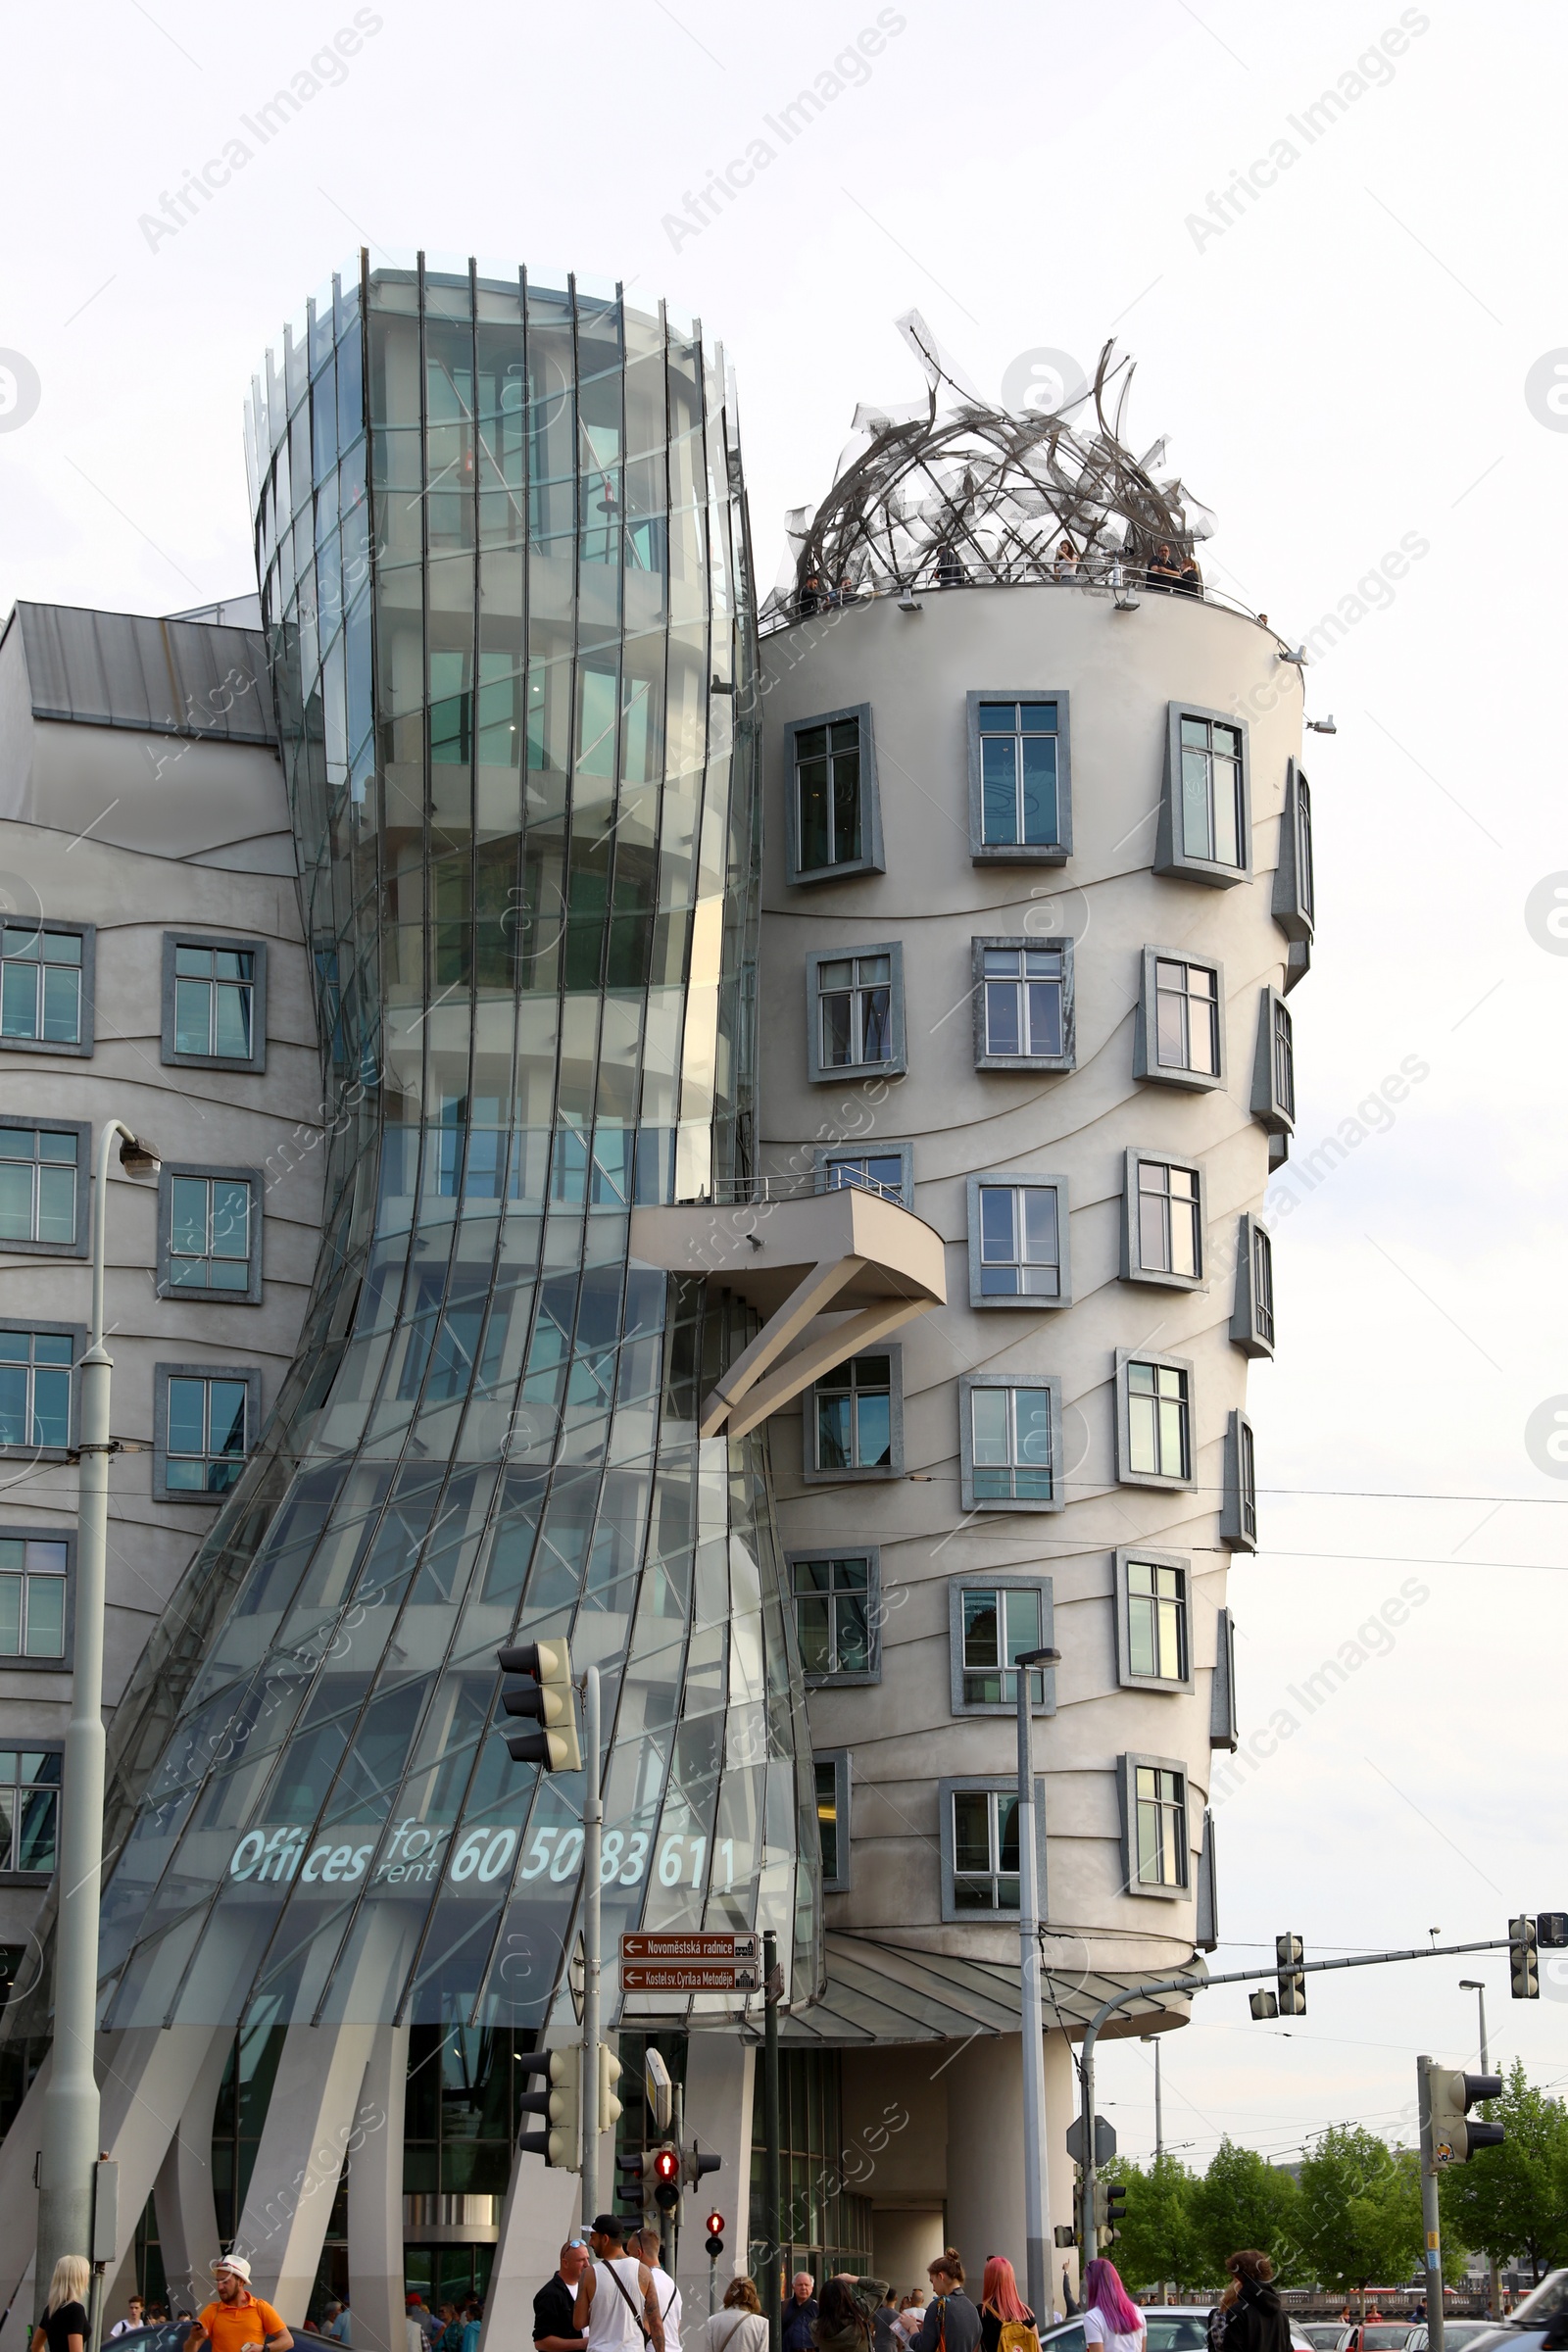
pixel 667 2164
pixel 715 2225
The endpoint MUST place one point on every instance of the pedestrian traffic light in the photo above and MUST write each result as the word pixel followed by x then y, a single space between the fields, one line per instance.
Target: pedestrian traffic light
pixel 561 2104
pixel 1524 1967
pixel 1262 2005
pixel 1450 2137
pixel 699 2162
pixel 636 2187
pixel 545 1694
pixel 714 2226
pixel 609 2076
pixel 1292 1985
pixel 667 2179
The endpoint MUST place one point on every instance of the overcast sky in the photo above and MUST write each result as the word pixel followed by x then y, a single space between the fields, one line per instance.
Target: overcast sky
pixel 1353 360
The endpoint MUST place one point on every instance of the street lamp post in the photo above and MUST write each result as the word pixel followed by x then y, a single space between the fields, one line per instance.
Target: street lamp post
pixel 1036 2183
pixel 70 2104
pixel 1493 2276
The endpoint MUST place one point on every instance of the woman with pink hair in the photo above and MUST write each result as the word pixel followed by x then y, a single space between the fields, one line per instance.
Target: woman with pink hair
pixel 1002 2308
pixel 1110 2317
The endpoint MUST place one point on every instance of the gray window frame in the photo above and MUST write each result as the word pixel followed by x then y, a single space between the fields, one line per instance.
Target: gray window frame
pixel 37 1747
pixel 1150 1555
pixel 1224 1729
pixel 1267 1106
pixel 248 1297
pixel 1168 860
pixel 1206 1926
pixel 1051 1382
pixel 1131 1270
pixel 81 1051
pixel 984 852
pixel 872 859
pixel 1127 1766
pixel 1145 1030
pixel 876 1476
pixel 843 1779
pixel 1235 1505
pixel 77 1333
pixel 1016 1180
pixel 854 1678
pixel 992 1784
pixel 825 1153
pixel 1247 1327
pixel 254 1062
pixel 957 1587
pixel 77 1246
pixel 1125 1475
pixel 855 1073
pixel 1295 901
pixel 35 1533
pixel 250 1373
pixel 1014 941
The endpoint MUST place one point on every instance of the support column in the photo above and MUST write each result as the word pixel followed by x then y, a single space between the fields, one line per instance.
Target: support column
pixel 187 2217
pixel 985 2133
pixel 376 2201
pixel 539 2215
pixel 720 2079
pixel 1061 2106
pixel 316 2116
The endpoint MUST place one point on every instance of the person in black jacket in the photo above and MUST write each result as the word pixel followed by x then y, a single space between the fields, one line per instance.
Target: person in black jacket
pixel 1256 2323
pixel 951 2319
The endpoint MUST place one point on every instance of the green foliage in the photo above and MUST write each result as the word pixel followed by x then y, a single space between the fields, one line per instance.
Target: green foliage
pixel 1244 2201
pixel 1513 2199
pixel 1159 2240
pixel 1361 2210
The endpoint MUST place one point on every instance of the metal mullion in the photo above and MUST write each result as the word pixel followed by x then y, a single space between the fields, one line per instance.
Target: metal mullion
pixel 659 829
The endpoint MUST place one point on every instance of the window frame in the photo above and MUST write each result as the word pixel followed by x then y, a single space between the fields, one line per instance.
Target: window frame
pixel 1224 1729
pixel 1294 905
pixel 82 1049
pixel 991 1784
pixel 1151 1556
pixel 77 1333
pixel 1268 1107
pixel 872 859
pixel 1248 1328
pixel 855 1073
pixel 77 1246
pixel 968 1383
pixel 840 1759
pixel 250 1295
pixel 1206 1926
pixel 1127 1769
pixel 984 852
pixel 33 1533
pixel 1126 1476
pixel 35 1747
pixel 1238 1517
pixel 250 1373
pixel 1146 1064
pixel 877 1474
pixel 1168 859
pixel 1016 942
pixel 1131 1270
pixel 1003 1582
pixel 1016 1180
pixel 255 1062
pixel 824 1156
pixel 853 1678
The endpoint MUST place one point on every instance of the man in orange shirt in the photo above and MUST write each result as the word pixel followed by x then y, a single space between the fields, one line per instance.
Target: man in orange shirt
pixel 238 2322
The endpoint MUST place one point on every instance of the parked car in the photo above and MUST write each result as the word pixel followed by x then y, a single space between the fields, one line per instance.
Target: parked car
pixel 1171 2328
pixel 1327 2335
pixel 1458 2335
pixel 168 2336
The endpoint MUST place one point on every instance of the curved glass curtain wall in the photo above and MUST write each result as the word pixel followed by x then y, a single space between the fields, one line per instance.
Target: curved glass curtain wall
pixel 501 544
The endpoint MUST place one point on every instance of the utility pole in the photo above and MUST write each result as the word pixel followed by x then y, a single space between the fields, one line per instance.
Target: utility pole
pixel 593 1814
pixel 771 2252
pixel 1429 2222
pixel 1036 2190
pixel 1493 2275
pixel 1159 2111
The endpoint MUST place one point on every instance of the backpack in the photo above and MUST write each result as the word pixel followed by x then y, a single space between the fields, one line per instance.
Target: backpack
pixel 1017 2336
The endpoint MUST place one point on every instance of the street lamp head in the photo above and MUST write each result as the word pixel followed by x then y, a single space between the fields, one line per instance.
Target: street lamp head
pixel 1037 1657
pixel 1471 1985
pixel 137 1157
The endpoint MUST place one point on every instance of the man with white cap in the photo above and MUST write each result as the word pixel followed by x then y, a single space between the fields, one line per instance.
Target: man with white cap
pixel 238 2322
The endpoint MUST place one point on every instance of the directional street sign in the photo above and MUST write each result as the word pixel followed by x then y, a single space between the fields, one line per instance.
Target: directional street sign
pixel 692 1979
pixel 707 1951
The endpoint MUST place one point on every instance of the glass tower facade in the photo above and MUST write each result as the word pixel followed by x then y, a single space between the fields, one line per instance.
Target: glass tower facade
pixel 501 539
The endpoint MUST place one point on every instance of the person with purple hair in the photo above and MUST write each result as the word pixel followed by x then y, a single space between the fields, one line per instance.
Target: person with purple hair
pixel 1110 2317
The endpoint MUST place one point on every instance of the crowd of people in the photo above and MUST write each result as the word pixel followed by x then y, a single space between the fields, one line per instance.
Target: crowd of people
pixel 1161 568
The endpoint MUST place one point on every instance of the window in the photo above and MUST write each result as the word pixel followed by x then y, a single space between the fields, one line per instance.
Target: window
pixel 1238 1515
pixel 1205 1929
pixel 1180 1034
pixel 856 1011
pixel 29 1810
pixel 835 1615
pixel 1020 804
pixel 979 1821
pixel 1153 1420
pixel 209 1234
pixel 1009 1443
pixel 1153 1621
pixel 1153 1802
pixel 205 1422
pixel 1023 1003
pixel 44 1187
pixel 38 1398
pixel 1224 1729
pixel 855 1419
pixel 1162 1222
pixel 888 1172
pixel 214 1002
pixel 831 1772
pixel 1252 1316
pixel 991 1625
pixel 1294 905
pixel 1274 1066
pixel 34 1600
pixel 1205 824
pixel 834 818
pixel 1018 1240
pixel 46 986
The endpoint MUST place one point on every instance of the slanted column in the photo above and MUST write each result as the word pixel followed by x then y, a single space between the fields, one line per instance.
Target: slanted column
pixel 316 2116
pixel 187 2217
pixel 375 2200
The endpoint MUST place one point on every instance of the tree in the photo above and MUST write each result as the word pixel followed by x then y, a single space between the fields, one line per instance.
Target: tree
pixel 1243 2202
pixel 1361 2210
pixel 1513 2199
pixel 1157 2242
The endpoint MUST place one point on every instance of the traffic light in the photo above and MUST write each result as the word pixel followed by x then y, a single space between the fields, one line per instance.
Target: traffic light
pixel 545 1694
pixel 561 2104
pixel 636 2187
pixel 698 2164
pixel 1110 2199
pixel 714 2226
pixel 1450 2137
pixel 609 2076
pixel 1262 2005
pixel 666 2180
pixel 1293 1986
pixel 1524 1967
